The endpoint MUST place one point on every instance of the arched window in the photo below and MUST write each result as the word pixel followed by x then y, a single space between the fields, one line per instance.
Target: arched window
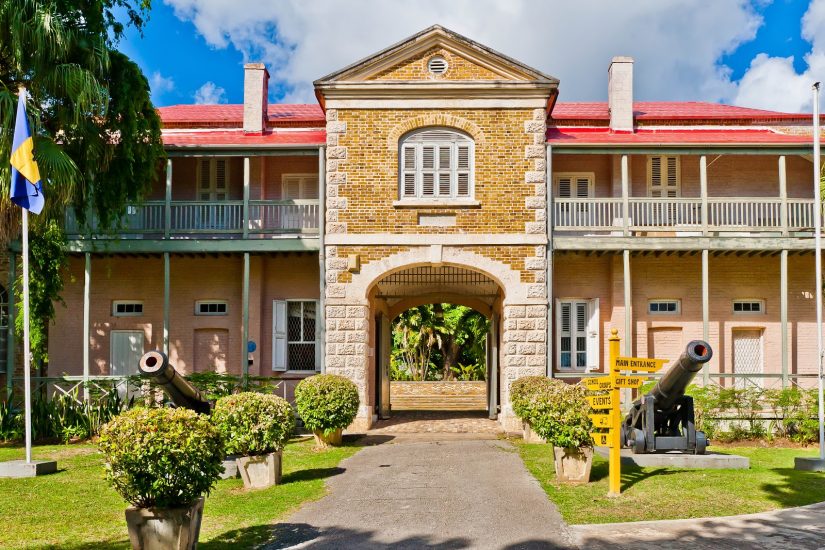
pixel 436 163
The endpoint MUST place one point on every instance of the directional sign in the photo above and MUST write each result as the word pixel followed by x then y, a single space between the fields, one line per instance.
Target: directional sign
pixel 639 363
pixel 600 439
pixel 601 420
pixel 600 402
pixel 629 381
pixel 596 384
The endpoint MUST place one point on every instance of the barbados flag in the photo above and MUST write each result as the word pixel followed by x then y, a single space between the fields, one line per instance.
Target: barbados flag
pixel 26 189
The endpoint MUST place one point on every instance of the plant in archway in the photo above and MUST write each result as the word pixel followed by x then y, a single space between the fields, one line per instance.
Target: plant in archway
pixel 327 403
pixel 416 340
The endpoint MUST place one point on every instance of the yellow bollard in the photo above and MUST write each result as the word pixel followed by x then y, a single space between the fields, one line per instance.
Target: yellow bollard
pixel 615 480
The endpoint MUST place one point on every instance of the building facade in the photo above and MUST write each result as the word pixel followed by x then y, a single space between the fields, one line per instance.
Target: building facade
pixel 439 170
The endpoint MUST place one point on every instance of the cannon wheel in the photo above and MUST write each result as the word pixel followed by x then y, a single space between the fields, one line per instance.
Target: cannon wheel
pixel 701 443
pixel 637 444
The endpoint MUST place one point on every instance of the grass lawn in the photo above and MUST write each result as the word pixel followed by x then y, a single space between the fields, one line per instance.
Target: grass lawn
pixel 663 493
pixel 75 508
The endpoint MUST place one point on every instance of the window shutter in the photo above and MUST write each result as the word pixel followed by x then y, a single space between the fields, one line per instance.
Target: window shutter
pixel 428 157
pixel 221 174
pixel 565 185
pixel 292 188
pixel 428 184
pixel 409 184
pixel 408 171
pixel 463 185
pixel 463 157
pixel 204 174
pixel 310 188
pixel 557 360
pixel 279 335
pixel 318 350
pixel 444 184
pixel 593 337
pixel 444 155
pixel 582 188
pixel 655 172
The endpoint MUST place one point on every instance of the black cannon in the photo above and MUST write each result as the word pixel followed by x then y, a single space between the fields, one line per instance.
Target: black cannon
pixel 663 419
pixel 155 366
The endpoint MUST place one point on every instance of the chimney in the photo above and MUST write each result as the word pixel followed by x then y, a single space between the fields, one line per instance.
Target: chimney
pixel 620 94
pixel 255 98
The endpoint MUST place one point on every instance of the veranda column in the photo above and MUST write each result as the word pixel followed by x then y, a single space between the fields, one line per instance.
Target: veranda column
pixel 625 196
pixel 167 205
pixel 783 196
pixel 628 313
pixel 783 313
pixel 705 311
pixel 246 176
pixel 87 285
pixel 703 193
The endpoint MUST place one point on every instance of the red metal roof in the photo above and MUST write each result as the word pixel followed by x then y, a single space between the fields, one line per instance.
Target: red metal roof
pixel 671 110
pixel 233 114
pixel 603 136
pixel 237 138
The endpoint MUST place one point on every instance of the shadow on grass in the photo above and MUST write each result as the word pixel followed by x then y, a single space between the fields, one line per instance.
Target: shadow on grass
pixel 797 488
pixel 312 473
pixel 633 475
pixel 119 545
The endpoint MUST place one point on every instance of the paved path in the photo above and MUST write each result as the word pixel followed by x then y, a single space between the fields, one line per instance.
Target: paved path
pixel 791 529
pixel 460 422
pixel 413 492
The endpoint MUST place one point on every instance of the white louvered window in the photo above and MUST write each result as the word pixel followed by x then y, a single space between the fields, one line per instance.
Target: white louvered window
pixel 436 163
pixel 574 185
pixel 577 334
pixel 663 176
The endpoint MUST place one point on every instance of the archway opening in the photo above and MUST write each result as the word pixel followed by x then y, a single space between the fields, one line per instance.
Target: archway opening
pixel 436 342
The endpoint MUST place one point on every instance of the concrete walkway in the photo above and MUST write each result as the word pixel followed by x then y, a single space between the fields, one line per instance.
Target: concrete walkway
pixel 794 528
pixel 429 492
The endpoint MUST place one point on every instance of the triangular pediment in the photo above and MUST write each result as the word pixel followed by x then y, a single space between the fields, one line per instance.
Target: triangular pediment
pixel 466 61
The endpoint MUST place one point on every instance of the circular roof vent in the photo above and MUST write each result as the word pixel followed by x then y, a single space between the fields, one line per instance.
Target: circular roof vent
pixel 437 65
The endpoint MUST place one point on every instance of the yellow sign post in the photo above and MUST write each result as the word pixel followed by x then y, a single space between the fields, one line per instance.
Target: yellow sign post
pixel 607 403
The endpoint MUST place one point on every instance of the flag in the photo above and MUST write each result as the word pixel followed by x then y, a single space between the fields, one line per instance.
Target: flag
pixel 26 189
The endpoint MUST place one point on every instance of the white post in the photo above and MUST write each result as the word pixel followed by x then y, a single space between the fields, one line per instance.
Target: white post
pixel 818 263
pixel 27 383
pixel 87 290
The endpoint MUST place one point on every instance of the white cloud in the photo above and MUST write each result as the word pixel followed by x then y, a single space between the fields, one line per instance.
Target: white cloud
pixel 677 44
pixel 774 83
pixel 160 84
pixel 210 94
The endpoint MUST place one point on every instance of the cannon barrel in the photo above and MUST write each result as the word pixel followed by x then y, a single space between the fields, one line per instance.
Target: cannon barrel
pixel 671 387
pixel 155 365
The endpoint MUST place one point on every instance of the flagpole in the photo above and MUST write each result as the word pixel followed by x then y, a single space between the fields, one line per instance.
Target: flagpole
pixel 27 383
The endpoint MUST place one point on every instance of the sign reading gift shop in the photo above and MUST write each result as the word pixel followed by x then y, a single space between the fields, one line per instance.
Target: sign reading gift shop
pixel 607 403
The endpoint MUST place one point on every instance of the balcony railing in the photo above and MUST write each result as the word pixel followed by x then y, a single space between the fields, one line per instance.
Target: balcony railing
pixel 210 218
pixel 752 215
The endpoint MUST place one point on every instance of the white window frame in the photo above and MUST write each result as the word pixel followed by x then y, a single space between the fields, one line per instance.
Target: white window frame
pixel 759 301
pixel 663 188
pixel 281 364
pixel 200 313
pixel 307 186
pixel 116 303
pixel 213 190
pixel 664 300
pixel 591 333
pixel 573 177
pixel 450 139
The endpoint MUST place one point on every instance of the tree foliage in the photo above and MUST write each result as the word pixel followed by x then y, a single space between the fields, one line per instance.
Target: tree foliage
pixel 440 342
pixel 97 136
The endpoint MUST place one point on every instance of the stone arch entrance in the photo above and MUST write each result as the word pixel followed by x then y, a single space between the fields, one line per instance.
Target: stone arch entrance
pixel 407 288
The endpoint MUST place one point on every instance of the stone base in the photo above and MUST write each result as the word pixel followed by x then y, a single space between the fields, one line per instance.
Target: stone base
pixel 809 464
pixel 529 436
pixel 675 459
pixel 21 468
pixel 335 439
pixel 230 468
pixel 165 529
pixel 260 472
pixel 572 464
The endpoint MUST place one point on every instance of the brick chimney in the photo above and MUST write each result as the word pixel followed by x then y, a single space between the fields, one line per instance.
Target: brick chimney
pixel 255 98
pixel 620 94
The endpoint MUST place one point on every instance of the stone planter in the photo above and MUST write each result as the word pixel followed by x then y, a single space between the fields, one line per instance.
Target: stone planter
pixel 573 464
pixel 259 472
pixel 230 467
pixel 529 435
pixel 332 440
pixel 165 529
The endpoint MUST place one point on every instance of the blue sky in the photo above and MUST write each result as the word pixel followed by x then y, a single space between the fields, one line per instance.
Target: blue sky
pixel 731 51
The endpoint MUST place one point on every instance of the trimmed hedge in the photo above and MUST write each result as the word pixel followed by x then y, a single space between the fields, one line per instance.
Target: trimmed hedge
pixel 165 458
pixel 253 423
pixel 557 411
pixel 326 402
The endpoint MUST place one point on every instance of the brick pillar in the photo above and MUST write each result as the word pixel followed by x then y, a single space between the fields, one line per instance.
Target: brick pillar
pixel 346 352
pixel 523 353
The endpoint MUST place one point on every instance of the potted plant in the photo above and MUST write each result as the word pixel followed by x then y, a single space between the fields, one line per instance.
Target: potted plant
pixel 255 426
pixel 327 403
pixel 524 397
pixel 162 461
pixel 560 414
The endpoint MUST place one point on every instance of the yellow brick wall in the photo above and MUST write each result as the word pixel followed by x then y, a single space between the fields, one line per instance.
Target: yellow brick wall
pixel 370 170
pixel 458 68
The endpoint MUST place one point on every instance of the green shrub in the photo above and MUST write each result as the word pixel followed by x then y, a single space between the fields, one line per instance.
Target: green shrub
pixel 161 457
pixel 214 385
pixel 253 423
pixel 557 411
pixel 326 402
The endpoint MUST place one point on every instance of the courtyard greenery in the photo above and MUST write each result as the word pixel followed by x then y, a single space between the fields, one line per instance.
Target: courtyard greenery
pixel 326 402
pixel 439 342
pixel 668 493
pixel 75 508
pixel 557 411
pixel 253 423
